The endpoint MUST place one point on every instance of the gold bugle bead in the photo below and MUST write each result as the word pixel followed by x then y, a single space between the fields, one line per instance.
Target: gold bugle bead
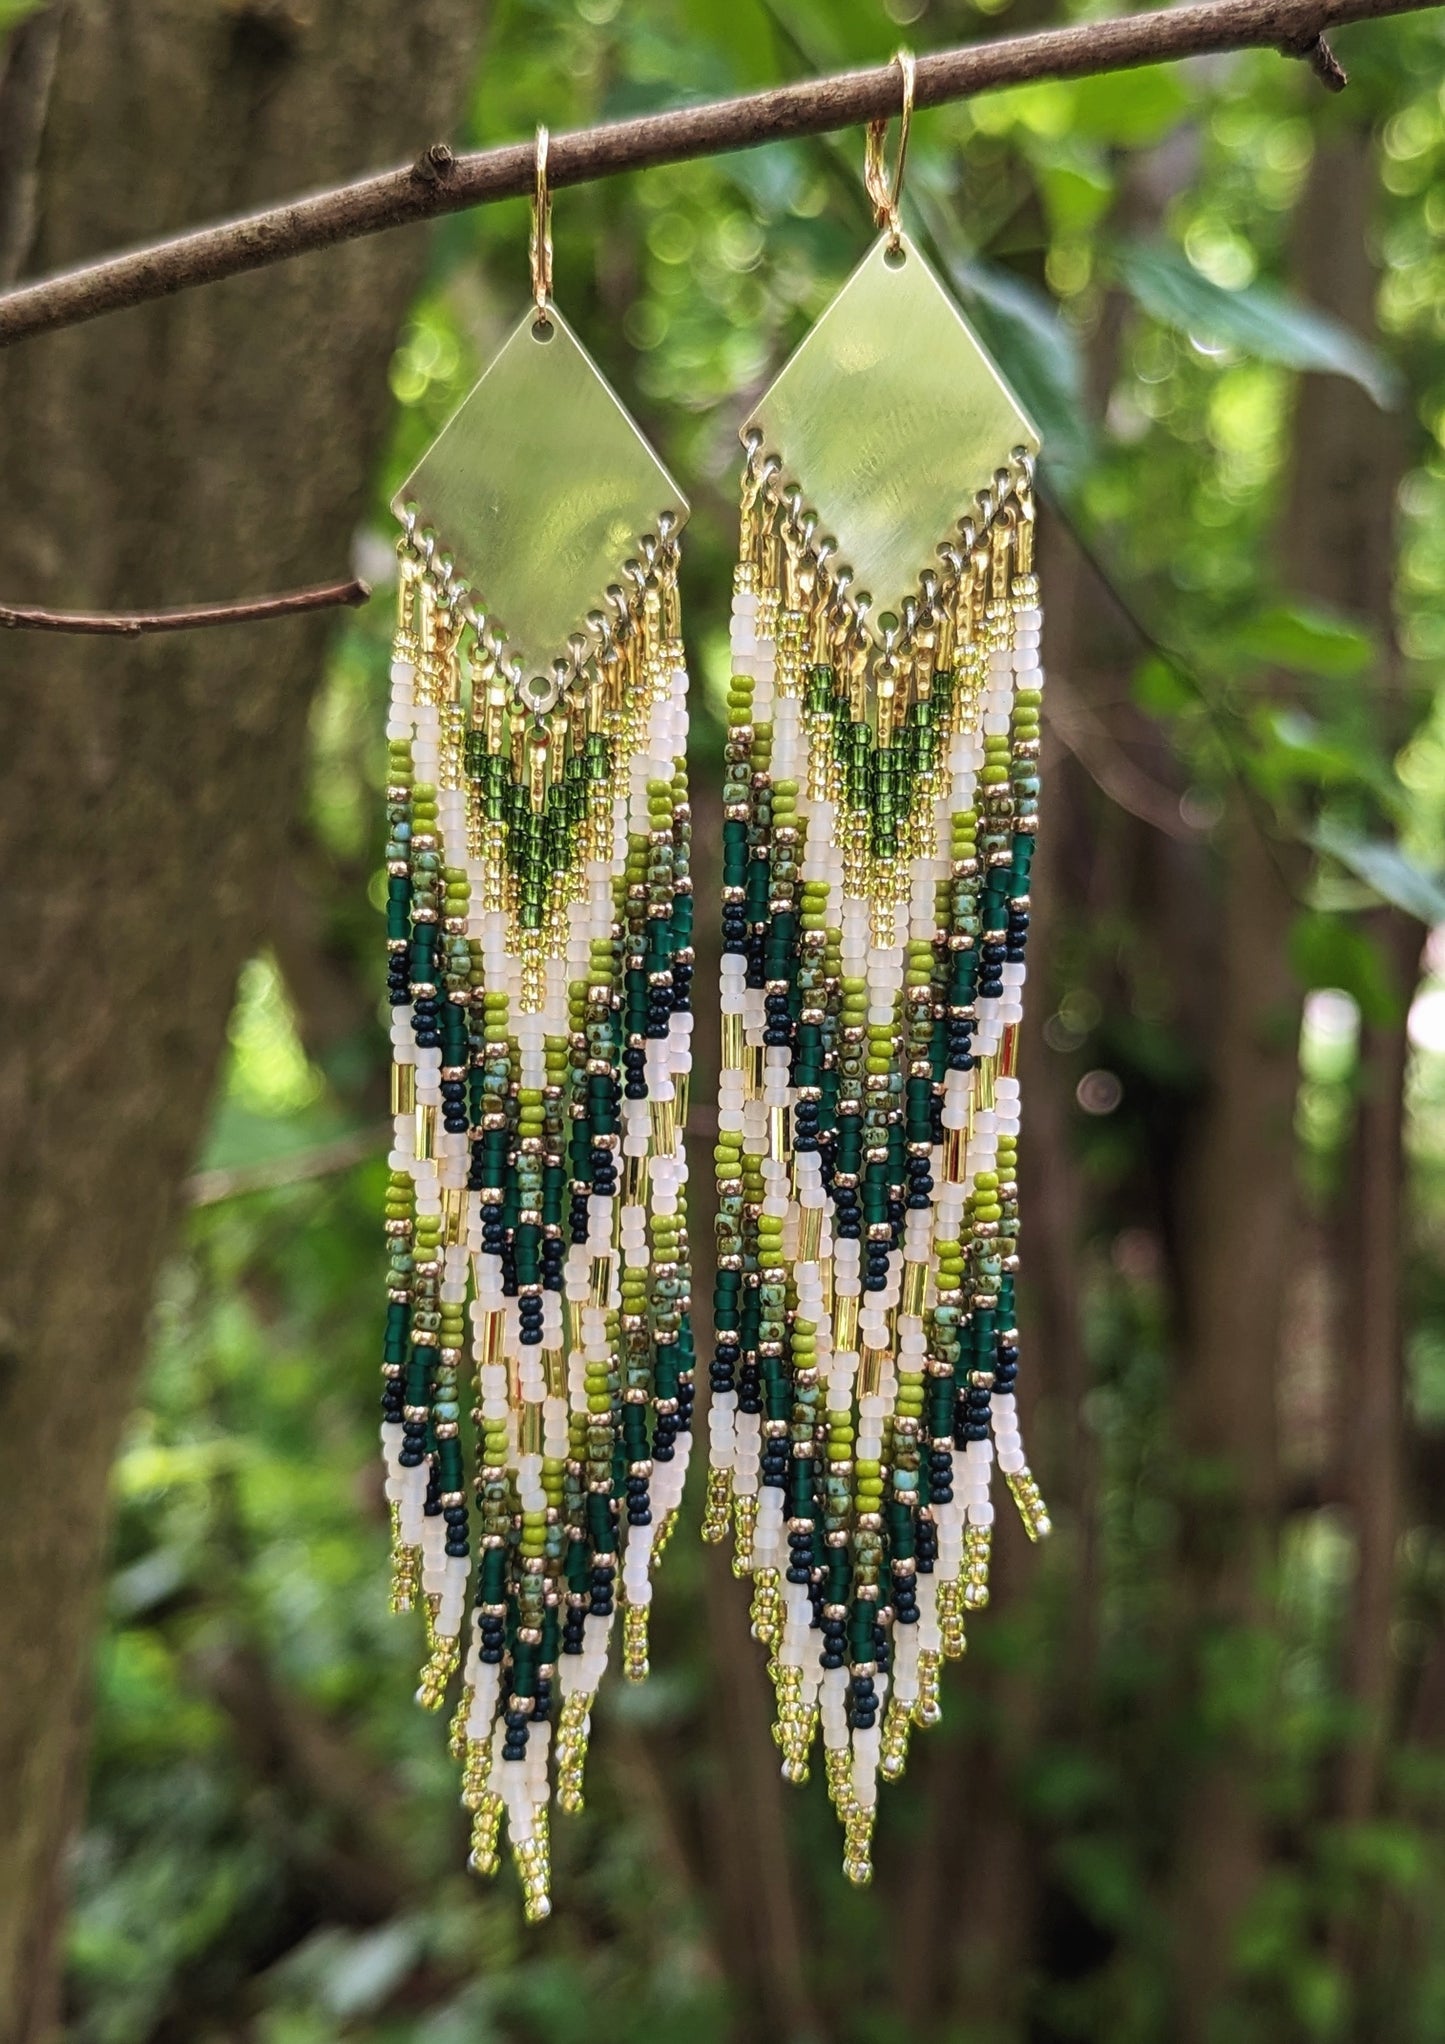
pixel 494 1337
pixel 915 1288
pixel 779 1145
pixel 530 1432
pixel 845 1324
pixel 403 1089
pixel 810 1234
pixel 426 1122
pixel 664 1127
pixel 983 1084
pixel 601 1280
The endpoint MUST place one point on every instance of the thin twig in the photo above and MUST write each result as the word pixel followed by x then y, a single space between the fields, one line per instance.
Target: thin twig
pixel 129 623
pixel 342 1153
pixel 441 182
pixel 1109 767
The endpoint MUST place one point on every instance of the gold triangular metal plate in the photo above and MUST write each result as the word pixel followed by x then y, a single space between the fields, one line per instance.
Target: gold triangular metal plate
pixel 540 488
pixel 889 417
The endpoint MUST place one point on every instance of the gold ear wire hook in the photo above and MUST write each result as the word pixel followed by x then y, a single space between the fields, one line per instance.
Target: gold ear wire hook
pixel 541 244
pixel 885 196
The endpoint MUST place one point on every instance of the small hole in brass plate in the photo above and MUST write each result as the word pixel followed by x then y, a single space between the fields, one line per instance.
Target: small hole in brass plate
pixel 542 330
pixel 887 621
pixel 895 258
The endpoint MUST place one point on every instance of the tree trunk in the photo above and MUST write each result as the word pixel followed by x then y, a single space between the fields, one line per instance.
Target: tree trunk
pixel 1336 547
pixel 1341 549
pixel 216 444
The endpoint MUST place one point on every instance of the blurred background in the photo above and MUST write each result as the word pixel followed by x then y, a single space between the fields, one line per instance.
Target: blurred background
pixel 1190 1776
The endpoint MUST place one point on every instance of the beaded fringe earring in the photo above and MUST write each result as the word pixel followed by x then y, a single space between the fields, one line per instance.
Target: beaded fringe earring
pixel 539 929
pixel 880 814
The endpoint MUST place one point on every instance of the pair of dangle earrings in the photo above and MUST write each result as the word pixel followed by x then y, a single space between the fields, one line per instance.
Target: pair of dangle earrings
pixel 880 811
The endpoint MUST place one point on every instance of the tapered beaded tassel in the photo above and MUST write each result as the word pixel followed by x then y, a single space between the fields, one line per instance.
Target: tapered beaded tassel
pixel 539 943
pixel 880 815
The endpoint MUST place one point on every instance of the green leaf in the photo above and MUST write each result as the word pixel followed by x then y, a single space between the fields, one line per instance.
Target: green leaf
pixel 13 12
pixel 1295 749
pixel 1305 639
pixel 1268 324
pixel 1159 689
pixel 1331 951
pixel 1036 352
pixel 1076 191
pixel 1129 109
pixel 1383 867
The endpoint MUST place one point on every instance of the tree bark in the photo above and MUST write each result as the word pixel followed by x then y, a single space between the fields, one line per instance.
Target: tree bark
pixel 217 443
pixel 1341 550
pixel 1336 546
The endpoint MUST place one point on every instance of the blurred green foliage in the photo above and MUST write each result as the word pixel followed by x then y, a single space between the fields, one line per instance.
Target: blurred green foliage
pixel 273 1849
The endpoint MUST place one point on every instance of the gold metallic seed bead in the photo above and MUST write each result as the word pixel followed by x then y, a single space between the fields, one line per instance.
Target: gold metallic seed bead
pixel 718 1509
pixel 745 1523
pixel 667 1526
pixel 486 1830
pixel 437 1674
pixel 897 1722
pixel 927 1710
pixel 809 1718
pixel 457 1735
pixel 977 1548
pixel 634 1642
pixel 767 1611
pixel 858 1847
pixel 572 1734
pixel 838 1768
pixel 950 1621
pixel 792 1730
pixel 476 1773
pixel 1032 1509
pixel 405 1577
pixel 531 1866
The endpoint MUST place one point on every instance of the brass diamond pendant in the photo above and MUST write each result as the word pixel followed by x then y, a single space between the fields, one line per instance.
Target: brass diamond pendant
pixel 540 488
pixel 889 417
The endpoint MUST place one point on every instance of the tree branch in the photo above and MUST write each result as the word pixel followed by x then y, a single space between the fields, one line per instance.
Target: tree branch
pixel 441 182
pixel 130 623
